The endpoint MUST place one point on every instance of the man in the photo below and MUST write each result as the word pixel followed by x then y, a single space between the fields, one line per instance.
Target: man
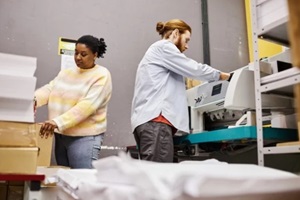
pixel 159 105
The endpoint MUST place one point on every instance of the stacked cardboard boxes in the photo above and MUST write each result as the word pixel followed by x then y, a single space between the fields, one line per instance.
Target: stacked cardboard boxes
pixel 22 149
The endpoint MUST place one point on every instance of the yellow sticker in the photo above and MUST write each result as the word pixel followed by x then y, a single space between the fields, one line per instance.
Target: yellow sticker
pixel 66 46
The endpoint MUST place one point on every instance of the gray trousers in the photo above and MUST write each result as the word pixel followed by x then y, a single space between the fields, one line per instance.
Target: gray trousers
pixel 155 141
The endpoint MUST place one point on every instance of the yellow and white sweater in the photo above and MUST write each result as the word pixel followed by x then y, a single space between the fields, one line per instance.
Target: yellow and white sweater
pixel 77 100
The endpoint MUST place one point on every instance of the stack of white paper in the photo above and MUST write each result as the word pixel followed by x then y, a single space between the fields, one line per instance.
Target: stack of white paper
pixel 123 178
pixel 17 86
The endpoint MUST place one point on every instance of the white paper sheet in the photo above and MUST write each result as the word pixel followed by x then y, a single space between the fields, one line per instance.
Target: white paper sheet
pixel 17 86
pixel 124 178
pixel 17 65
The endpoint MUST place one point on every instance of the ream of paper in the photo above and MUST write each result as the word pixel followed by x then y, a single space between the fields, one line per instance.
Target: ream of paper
pixel 17 65
pixel 17 86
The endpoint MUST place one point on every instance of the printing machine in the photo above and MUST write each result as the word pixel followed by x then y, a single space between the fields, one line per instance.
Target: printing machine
pixel 223 112
pixel 223 104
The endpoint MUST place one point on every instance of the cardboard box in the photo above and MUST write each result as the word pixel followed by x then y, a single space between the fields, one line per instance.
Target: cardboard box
pixel 18 160
pixel 45 150
pixel 16 134
pixel 190 83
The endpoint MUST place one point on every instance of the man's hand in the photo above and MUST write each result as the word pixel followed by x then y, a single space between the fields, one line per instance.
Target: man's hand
pixel 224 76
pixel 47 128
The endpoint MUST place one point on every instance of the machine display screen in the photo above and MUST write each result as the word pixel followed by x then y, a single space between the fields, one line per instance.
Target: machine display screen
pixel 216 89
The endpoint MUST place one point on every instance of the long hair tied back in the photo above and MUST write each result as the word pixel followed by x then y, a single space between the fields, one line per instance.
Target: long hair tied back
pixel 165 29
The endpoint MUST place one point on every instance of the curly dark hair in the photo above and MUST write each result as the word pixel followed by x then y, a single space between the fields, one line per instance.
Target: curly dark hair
pixel 94 44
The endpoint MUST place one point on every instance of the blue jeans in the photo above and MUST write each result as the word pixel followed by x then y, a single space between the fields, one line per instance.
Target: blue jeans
pixel 77 152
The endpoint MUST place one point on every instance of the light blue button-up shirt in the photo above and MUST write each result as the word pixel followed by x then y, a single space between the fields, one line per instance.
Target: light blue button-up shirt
pixel 160 86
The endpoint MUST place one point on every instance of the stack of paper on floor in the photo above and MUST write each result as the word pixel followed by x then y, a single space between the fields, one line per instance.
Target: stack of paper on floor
pixel 17 85
pixel 127 179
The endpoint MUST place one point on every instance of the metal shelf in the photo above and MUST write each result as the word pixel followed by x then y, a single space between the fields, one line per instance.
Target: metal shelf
pixel 280 83
pixel 272 18
pixel 282 149
pixel 269 22
pixel 277 33
pixel 280 75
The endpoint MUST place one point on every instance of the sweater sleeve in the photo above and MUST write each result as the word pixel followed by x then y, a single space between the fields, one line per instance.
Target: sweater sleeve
pixel 42 94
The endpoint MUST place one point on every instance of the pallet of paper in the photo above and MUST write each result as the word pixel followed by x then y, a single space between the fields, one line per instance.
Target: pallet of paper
pixel 17 86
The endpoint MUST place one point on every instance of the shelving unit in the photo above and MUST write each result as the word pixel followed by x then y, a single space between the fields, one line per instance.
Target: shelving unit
pixel 269 21
pixel 272 20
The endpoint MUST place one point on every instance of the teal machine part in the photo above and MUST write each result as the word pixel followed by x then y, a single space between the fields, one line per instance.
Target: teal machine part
pixel 237 133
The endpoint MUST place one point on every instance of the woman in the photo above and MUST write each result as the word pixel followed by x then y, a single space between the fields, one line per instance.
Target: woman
pixel 77 104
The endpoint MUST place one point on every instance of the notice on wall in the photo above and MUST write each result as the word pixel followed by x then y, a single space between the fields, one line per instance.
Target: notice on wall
pixel 67 61
pixel 66 49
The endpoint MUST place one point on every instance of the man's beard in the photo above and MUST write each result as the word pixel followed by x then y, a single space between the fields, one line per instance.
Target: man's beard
pixel 179 44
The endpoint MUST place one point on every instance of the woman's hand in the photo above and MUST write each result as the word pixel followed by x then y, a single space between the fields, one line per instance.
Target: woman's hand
pixel 47 128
